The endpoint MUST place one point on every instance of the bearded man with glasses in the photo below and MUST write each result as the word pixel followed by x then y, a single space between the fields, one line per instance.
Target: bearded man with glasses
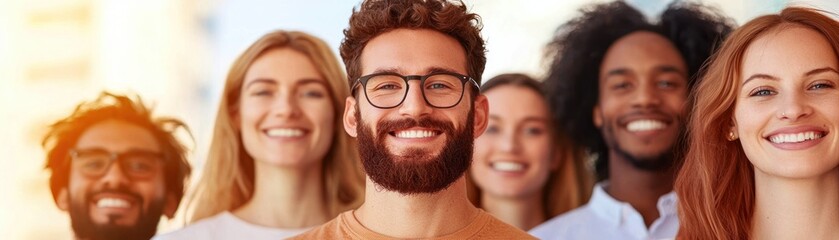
pixel 116 169
pixel 414 68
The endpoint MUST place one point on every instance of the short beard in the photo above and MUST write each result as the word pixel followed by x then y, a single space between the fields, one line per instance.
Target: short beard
pixel 417 172
pixel 661 162
pixel 144 228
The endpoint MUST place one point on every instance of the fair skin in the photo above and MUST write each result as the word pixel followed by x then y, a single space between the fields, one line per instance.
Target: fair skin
pixel 415 52
pixel 116 136
pixel 513 157
pixel 643 93
pixel 787 117
pixel 286 120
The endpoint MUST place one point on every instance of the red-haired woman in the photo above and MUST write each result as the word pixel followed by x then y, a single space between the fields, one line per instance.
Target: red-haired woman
pixel 764 132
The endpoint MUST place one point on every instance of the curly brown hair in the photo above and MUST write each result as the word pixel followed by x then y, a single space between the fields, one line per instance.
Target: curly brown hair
pixel 375 17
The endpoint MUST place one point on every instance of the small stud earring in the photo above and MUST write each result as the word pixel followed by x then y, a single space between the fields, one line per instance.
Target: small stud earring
pixel 731 136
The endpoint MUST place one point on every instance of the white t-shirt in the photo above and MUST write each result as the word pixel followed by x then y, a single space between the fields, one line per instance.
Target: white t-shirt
pixel 227 226
pixel 604 217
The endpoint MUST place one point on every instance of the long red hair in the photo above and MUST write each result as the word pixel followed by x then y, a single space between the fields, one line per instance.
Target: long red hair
pixel 716 183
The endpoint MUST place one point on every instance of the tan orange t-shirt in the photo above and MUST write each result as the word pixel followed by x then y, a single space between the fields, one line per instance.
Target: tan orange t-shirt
pixel 345 226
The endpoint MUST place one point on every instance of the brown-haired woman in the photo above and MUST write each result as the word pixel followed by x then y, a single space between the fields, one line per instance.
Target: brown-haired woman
pixel 279 162
pixel 524 171
pixel 764 161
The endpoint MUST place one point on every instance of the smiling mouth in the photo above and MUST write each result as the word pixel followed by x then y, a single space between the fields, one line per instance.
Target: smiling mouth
pixel 112 203
pixel 508 166
pixel 645 125
pixel 285 132
pixel 796 137
pixel 415 134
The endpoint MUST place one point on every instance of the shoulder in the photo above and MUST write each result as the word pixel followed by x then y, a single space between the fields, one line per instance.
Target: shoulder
pixel 199 230
pixel 565 225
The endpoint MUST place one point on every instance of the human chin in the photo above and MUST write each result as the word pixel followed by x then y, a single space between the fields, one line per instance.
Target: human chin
pixel 514 188
pixel 650 156
pixel 142 226
pixel 415 172
pixel 509 177
pixel 799 164
pixel 117 206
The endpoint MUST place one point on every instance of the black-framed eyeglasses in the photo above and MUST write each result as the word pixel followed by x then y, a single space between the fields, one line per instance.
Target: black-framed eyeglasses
pixel 136 164
pixel 388 90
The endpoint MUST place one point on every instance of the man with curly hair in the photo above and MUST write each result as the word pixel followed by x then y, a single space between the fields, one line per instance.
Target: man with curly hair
pixel 115 168
pixel 619 86
pixel 414 68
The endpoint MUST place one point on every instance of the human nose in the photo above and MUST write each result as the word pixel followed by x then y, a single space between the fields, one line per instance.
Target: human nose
pixel 414 104
pixel 286 105
pixel 646 96
pixel 508 143
pixel 793 106
pixel 114 176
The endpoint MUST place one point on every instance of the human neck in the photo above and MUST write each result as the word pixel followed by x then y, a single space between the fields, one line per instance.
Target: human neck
pixel 638 187
pixel 416 216
pixel 796 208
pixel 285 197
pixel 522 212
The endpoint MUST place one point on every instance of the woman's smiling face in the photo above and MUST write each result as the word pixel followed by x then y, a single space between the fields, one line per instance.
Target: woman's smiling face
pixel 787 110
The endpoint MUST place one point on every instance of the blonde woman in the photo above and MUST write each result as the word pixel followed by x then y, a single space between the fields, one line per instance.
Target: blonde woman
pixel 279 162
pixel 524 171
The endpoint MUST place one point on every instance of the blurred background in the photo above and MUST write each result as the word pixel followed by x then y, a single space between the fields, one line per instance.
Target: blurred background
pixel 175 54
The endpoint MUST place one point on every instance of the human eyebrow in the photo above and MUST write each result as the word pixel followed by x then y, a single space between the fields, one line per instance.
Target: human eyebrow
pixel 820 70
pixel 535 119
pixel 387 71
pixel 306 81
pixel 261 80
pixel 760 76
pixel 617 72
pixel 435 70
pixel 670 69
pixel 142 151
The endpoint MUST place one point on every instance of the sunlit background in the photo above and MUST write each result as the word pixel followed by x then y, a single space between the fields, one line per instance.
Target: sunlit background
pixel 175 53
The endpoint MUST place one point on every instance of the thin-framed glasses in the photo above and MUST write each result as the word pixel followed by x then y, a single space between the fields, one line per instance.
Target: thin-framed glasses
pixel 136 164
pixel 388 90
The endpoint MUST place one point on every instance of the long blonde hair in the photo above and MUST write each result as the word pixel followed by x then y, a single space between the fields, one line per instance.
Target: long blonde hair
pixel 228 176
pixel 716 183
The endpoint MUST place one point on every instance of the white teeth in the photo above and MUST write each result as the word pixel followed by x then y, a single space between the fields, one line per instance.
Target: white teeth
pixel 508 166
pixel 795 137
pixel 112 203
pixel 415 134
pixel 285 132
pixel 645 125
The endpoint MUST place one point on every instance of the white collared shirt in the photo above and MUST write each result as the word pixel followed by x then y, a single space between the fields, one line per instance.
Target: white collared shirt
pixel 604 217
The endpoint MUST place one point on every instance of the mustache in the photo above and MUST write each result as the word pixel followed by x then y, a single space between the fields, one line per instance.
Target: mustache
pixel 387 126
pixel 421 172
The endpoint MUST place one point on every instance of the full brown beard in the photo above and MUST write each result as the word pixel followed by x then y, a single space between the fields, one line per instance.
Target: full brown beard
pixel 416 171
pixel 85 228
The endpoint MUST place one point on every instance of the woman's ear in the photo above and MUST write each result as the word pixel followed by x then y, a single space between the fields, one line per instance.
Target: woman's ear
pixel 732 131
